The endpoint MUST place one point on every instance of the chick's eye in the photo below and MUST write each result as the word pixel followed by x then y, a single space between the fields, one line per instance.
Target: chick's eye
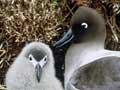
pixel 30 58
pixel 45 59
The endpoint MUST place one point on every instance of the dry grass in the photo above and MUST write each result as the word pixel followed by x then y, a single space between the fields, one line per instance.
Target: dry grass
pixel 24 21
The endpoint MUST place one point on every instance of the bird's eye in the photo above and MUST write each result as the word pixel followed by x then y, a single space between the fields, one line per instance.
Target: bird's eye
pixel 85 25
pixel 30 57
pixel 45 58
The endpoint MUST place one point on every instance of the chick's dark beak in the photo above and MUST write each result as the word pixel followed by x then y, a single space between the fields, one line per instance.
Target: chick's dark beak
pixel 38 70
pixel 68 37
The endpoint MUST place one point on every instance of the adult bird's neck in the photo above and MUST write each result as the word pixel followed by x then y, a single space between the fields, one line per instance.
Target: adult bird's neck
pixel 94 40
pixel 90 44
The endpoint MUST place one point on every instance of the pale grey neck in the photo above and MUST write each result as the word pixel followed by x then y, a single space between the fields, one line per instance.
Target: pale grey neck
pixel 96 42
pixel 95 39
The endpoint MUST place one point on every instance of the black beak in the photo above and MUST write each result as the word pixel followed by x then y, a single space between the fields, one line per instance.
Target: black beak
pixel 38 70
pixel 68 37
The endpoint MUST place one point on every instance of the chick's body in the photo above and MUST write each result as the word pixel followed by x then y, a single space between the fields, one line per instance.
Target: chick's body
pixel 21 74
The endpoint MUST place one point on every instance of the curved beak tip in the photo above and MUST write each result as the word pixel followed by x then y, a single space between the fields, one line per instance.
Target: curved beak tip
pixel 68 37
pixel 38 79
pixel 56 44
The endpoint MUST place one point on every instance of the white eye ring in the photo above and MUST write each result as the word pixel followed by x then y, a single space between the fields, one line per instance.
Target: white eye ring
pixel 45 58
pixel 85 25
pixel 32 60
pixel 43 61
pixel 30 57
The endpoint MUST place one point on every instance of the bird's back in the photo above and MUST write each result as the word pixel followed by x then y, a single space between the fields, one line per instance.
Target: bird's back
pixel 102 74
pixel 78 56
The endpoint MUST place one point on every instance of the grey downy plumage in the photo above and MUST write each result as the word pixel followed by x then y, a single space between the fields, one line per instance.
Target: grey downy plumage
pixel 87 34
pixel 33 69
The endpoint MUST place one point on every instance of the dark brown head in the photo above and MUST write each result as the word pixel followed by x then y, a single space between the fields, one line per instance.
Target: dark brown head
pixel 86 24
